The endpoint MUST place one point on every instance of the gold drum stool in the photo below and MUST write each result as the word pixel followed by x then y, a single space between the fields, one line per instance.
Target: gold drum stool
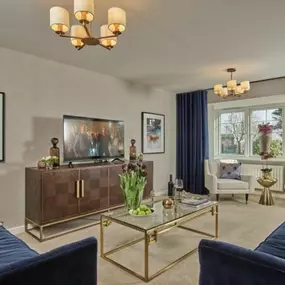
pixel 266 196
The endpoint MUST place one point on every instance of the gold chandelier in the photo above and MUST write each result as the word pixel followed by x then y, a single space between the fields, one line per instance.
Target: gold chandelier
pixel 232 88
pixel 81 35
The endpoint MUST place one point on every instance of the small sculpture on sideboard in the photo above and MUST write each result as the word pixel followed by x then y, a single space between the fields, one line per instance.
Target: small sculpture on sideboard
pixel 133 150
pixel 55 151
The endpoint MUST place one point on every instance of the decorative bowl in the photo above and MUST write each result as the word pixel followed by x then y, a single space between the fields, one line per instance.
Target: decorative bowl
pixel 141 216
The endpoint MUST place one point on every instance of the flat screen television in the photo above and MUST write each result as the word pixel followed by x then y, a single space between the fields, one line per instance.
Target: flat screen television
pixel 90 138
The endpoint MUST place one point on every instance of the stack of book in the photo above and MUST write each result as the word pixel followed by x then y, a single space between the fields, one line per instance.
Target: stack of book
pixel 196 201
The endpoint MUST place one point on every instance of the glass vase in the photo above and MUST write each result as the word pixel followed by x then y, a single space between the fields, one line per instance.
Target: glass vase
pixel 133 197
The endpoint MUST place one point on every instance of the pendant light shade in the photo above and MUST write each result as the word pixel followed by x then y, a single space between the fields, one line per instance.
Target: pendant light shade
pixel 239 90
pixel 77 31
pixel 232 84
pixel 108 42
pixel 218 88
pixel 245 85
pixel 84 10
pixel 225 92
pixel 117 20
pixel 59 20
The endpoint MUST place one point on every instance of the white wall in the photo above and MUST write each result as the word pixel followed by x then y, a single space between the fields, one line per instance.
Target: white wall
pixel 39 92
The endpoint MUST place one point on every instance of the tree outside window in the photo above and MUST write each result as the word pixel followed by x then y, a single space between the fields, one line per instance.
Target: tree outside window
pixel 232 133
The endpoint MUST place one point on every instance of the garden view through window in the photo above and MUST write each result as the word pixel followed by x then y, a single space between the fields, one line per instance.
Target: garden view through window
pixel 238 131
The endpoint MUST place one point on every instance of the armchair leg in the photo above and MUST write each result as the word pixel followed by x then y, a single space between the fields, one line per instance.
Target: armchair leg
pixel 217 197
pixel 246 198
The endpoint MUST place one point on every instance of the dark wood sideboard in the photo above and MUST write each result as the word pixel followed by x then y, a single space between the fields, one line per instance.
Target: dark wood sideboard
pixel 65 194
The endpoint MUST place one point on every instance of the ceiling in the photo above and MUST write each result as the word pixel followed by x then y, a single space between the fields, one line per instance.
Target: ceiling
pixel 176 45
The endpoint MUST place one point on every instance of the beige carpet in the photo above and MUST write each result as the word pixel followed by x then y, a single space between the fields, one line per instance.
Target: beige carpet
pixel 244 225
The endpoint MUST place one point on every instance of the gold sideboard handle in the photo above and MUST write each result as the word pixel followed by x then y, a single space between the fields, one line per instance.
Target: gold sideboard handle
pixel 82 188
pixel 77 189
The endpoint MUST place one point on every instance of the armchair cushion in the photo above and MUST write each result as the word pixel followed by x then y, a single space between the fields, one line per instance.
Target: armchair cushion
pixel 230 170
pixel 227 184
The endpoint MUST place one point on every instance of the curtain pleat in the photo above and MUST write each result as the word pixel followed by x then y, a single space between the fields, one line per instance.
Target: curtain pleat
pixel 192 139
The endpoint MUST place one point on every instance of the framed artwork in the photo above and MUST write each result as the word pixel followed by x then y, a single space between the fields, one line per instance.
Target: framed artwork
pixel 153 133
pixel 2 126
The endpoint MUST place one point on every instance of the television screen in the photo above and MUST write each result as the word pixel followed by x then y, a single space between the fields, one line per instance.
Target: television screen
pixel 88 138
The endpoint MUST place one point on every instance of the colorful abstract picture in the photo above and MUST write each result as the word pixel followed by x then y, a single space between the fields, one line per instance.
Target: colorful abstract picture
pixel 153 133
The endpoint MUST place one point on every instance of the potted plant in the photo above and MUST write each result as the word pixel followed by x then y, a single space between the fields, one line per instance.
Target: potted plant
pixel 132 183
pixel 50 161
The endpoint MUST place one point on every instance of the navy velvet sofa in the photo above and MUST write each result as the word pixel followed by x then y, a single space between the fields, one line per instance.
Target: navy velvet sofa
pixel 72 264
pixel 226 264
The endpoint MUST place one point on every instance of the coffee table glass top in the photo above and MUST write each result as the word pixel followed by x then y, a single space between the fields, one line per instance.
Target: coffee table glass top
pixel 160 216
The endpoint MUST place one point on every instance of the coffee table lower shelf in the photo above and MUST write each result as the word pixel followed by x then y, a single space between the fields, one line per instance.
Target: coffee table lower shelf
pixel 151 236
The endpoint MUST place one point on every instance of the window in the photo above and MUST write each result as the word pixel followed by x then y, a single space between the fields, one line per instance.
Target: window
pixel 274 118
pixel 232 133
pixel 237 131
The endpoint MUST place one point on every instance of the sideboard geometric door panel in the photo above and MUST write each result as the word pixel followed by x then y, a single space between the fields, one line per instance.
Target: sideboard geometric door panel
pixel 94 189
pixel 115 192
pixel 60 194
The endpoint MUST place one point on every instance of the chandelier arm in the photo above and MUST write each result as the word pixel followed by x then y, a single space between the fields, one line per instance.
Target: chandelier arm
pixel 87 30
pixel 107 37
pixel 81 47
pixel 104 47
pixel 71 37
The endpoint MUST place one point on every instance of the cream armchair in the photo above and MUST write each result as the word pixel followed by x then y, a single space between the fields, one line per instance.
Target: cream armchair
pixel 219 186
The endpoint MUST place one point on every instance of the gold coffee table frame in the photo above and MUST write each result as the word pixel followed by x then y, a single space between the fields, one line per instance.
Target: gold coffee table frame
pixel 151 235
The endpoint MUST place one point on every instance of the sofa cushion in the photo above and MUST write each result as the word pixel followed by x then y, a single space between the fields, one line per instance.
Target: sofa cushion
pixel 274 244
pixel 228 184
pixel 13 249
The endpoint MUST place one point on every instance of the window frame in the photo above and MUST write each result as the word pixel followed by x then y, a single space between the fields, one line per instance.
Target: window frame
pixel 248 139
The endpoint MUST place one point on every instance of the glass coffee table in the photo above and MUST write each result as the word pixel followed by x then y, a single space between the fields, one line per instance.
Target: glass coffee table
pixel 151 227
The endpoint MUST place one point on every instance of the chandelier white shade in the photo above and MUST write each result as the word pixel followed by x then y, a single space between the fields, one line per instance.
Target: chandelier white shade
pixel 77 31
pixel 117 20
pixel 232 87
pixel 59 19
pixel 84 10
pixel 80 34
pixel 107 42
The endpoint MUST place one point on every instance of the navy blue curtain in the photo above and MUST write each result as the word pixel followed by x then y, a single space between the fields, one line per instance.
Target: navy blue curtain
pixel 192 139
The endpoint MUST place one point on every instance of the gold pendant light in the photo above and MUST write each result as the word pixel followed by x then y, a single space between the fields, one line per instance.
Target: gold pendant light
pixel 232 88
pixel 84 12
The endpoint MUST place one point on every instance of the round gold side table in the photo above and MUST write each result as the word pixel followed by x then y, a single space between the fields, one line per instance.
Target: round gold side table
pixel 266 196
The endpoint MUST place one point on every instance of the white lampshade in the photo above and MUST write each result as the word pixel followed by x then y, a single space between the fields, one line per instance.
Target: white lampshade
pixel 77 31
pixel 239 90
pixel 224 93
pixel 84 10
pixel 59 20
pixel 245 85
pixel 218 88
pixel 117 20
pixel 231 84
pixel 108 42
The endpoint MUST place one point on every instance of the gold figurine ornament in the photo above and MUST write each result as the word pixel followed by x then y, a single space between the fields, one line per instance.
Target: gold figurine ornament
pixel 167 203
